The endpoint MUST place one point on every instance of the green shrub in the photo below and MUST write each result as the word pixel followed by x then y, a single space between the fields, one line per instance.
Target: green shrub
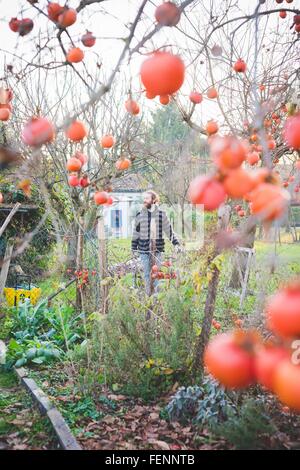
pixel 247 428
pixel 148 342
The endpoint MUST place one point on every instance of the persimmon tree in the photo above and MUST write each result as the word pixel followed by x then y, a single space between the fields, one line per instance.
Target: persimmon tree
pixel 231 71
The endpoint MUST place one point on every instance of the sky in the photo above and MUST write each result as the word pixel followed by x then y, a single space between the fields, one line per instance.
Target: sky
pixel 108 20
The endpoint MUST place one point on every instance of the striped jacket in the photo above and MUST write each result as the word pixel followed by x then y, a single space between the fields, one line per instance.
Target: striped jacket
pixel 141 237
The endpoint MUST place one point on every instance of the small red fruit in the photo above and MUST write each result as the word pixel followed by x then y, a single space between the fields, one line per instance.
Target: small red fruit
pixel 14 24
pixel 100 197
pixel 167 14
pixel 266 361
pixel 82 157
pixel 207 191
pixel 211 127
pixel 38 131
pixel 240 66
pixel 287 384
pixel 76 131
pixel 67 17
pixel 269 201
pixel 4 114
pixel 196 97
pixel 292 131
pixel 84 182
pixel 54 10
pixel 73 164
pixel 132 107
pixel 164 99
pixel 283 311
pixel 73 180
pixel 88 39
pixel 212 93
pixel 229 361
pixel 123 164
pixel 75 55
pixel 107 141
pixel 162 73
pixel 253 158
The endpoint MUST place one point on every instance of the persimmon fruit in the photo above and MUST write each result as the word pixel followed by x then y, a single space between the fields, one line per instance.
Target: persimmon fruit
pixel 292 132
pixel 75 55
pixel 76 131
pixel 240 66
pixel 162 73
pixel 107 141
pixel 67 17
pixel 207 191
pixel 123 164
pixel 74 164
pixel 211 127
pixel 229 362
pixel 167 14
pixel 287 384
pixel 283 311
pixel 38 131
pixel 269 202
pixel 88 39
pixel 266 362
pixel 196 97
pixel 100 197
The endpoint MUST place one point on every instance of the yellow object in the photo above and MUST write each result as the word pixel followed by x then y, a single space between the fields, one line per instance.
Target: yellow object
pixel 16 296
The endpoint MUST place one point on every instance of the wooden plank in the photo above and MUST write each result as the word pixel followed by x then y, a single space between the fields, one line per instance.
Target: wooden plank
pixel 60 427
pixel 9 217
pixel 5 267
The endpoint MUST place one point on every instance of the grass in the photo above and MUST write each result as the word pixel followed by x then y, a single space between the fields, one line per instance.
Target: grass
pixel 20 423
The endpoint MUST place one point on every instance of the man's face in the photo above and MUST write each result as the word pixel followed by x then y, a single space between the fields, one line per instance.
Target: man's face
pixel 148 200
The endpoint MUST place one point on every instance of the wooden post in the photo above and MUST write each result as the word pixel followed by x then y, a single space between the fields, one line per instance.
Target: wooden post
pixel 8 218
pixel 102 256
pixel 5 267
pixel 79 261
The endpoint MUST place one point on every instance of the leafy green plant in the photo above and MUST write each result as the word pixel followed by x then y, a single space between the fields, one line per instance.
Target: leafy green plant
pixel 246 429
pixel 40 334
pixel 83 408
pixel 67 328
pixel 34 351
pixel 207 404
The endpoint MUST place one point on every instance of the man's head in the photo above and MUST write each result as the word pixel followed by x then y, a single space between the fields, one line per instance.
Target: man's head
pixel 150 198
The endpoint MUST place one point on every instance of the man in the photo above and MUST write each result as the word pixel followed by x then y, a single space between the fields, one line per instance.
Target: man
pixel 150 225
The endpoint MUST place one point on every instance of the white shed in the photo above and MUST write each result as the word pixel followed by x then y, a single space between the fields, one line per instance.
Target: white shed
pixel 128 199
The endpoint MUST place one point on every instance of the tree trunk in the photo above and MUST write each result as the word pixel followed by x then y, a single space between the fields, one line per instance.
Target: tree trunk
pixel 212 289
pixel 207 321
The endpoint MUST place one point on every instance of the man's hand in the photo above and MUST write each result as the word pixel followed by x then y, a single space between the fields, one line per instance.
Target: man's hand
pixel 178 249
pixel 135 254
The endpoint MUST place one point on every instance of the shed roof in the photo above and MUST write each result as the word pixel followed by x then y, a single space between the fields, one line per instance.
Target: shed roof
pixel 129 183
